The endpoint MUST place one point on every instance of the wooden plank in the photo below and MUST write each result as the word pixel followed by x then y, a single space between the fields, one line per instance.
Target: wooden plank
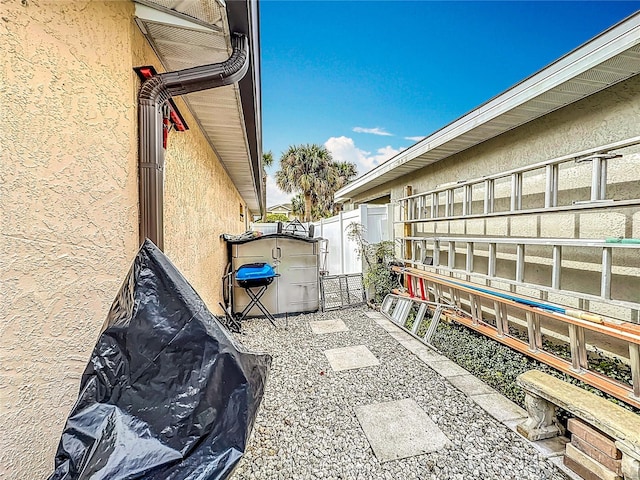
pixel 593 437
pixel 601 382
pixel 579 463
pixel 618 329
pixel 590 464
pixel 613 464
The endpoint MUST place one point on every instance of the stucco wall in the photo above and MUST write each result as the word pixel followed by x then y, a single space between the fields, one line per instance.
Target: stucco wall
pixel 69 223
pixel 606 117
pixel 69 218
pixel 201 203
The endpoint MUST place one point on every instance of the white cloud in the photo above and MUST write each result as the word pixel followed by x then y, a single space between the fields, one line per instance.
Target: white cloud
pixel 275 196
pixel 343 149
pixel 373 131
pixel 414 139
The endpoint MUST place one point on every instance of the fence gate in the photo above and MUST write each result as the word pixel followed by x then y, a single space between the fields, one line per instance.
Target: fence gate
pixel 338 291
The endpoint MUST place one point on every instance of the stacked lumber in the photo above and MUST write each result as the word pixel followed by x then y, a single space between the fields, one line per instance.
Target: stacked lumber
pixel 592 454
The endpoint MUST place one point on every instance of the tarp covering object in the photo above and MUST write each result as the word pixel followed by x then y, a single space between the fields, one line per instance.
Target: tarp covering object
pixel 167 393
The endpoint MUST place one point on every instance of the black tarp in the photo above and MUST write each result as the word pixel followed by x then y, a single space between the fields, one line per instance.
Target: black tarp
pixel 167 393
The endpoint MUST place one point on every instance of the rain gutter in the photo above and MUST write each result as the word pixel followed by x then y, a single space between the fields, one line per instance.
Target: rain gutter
pixel 153 94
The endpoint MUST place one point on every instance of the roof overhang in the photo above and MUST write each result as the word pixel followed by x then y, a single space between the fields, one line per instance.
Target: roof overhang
pixel 188 34
pixel 609 58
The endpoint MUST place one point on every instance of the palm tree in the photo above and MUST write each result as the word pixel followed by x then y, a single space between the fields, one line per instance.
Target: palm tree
pixel 345 172
pixel 267 161
pixel 297 205
pixel 341 174
pixel 306 169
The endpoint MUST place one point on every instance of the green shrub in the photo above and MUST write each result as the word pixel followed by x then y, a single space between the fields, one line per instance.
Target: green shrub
pixel 498 365
pixel 377 276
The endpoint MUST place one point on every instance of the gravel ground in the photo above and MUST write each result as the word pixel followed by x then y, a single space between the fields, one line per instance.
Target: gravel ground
pixel 307 427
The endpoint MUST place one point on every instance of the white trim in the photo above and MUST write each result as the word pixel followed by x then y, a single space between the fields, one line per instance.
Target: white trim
pixel 150 14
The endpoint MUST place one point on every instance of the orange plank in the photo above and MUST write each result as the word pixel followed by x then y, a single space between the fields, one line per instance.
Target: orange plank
pixel 621 330
pixel 601 382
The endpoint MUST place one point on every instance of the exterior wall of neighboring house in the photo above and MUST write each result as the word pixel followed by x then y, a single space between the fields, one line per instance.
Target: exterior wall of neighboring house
pixel 605 117
pixel 280 210
pixel 69 189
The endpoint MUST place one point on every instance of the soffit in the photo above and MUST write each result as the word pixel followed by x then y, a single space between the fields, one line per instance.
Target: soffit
pixel 189 33
pixel 607 59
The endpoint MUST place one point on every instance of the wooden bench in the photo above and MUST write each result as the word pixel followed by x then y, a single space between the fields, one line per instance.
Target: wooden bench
pixel 543 393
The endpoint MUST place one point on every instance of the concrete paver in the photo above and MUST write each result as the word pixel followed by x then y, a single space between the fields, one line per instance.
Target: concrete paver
pixel 349 358
pixel 447 368
pixel 470 385
pixel 399 429
pixel 499 407
pixel 328 326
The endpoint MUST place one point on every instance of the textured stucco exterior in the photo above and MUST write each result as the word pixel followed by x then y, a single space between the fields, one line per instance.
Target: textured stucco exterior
pixel 606 117
pixel 69 190
pixel 201 203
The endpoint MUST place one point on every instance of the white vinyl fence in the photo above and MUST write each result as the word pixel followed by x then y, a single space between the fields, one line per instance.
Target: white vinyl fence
pixel 338 255
pixel 341 252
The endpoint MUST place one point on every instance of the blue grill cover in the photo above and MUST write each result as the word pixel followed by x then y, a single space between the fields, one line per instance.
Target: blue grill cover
pixel 255 271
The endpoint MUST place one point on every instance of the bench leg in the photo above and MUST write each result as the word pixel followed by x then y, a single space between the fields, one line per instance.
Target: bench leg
pixel 542 421
pixel 630 462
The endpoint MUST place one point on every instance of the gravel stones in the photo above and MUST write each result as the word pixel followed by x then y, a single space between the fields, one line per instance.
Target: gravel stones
pixel 307 426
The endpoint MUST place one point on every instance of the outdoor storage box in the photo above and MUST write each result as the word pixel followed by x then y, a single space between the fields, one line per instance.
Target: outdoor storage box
pixel 294 258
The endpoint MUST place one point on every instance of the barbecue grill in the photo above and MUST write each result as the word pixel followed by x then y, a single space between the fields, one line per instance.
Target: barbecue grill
pixel 255 276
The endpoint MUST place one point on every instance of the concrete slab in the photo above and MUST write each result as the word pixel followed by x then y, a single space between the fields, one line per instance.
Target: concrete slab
pixel 447 368
pixel 387 325
pixel 374 314
pixel 328 326
pixel 406 340
pixel 470 385
pixel 399 429
pixel 349 358
pixel 425 354
pixel 551 447
pixel 499 407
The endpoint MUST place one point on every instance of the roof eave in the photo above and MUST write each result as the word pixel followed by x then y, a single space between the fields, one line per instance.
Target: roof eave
pixel 614 41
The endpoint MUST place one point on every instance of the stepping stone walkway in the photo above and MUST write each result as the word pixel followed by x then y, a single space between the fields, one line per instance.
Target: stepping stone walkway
pixel 329 415
pixel 395 430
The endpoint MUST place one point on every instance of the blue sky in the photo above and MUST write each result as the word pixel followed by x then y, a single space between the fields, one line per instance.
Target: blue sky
pixel 369 79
